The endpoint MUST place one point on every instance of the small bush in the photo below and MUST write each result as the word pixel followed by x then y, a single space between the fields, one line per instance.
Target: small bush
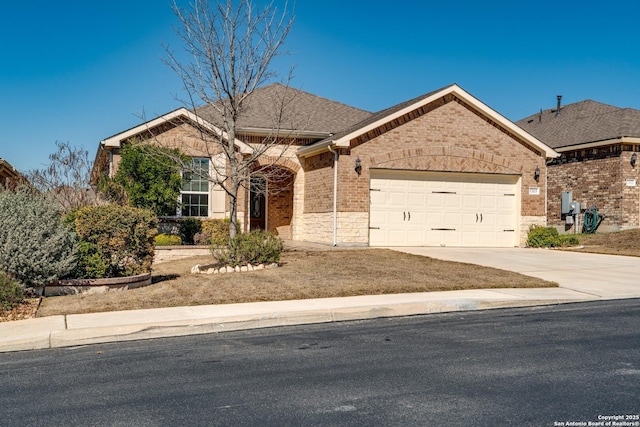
pixel 548 237
pixel 202 239
pixel 218 231
pixel 188 228
pixel 541 237
pixel 256 247
pixel 122 235
pixel 36 247
pixel 567 240
pixel 11 292
pixel 167 240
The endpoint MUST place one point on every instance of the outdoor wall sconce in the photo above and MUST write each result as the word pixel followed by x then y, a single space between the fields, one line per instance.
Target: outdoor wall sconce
pixel 358 167
pixel 634 159
pixel 536 174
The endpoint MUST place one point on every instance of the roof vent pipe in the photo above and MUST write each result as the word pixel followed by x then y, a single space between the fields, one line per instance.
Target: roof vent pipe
pixel 558 108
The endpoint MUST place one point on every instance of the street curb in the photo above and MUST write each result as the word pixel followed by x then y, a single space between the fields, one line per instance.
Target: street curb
pixel 58 334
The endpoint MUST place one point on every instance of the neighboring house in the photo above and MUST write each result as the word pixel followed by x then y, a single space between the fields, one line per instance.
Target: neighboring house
pixel 598 163
pixel 9 176
pixel 440 169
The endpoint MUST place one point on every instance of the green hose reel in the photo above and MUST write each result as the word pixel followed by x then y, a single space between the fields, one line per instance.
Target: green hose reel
pixel 591 220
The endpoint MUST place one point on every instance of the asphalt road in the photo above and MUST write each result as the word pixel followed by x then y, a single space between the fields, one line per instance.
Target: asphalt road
pixel 540 366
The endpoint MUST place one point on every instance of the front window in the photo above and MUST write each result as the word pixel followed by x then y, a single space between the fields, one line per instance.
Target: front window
pixel 195 189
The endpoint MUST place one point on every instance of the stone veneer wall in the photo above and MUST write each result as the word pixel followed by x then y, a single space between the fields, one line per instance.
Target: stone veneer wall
pixel 317 227
pixel 297 222
pixel 353 228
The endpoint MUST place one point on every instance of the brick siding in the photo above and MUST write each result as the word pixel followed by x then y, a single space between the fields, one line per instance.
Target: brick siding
pixel 450 138
pixel 596 177
pixel 444 136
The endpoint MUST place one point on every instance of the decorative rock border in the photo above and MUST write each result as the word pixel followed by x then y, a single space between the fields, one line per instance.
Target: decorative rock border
pixel 228 269
pixel 76 286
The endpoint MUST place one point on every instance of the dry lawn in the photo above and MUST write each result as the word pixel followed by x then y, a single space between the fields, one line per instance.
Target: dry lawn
pixel 302 274
pixel 619 243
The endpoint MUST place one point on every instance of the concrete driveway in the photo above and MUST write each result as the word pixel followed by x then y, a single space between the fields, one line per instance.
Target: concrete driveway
pixel 604 276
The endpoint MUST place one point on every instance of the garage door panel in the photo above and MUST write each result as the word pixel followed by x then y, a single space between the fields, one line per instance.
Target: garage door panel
pixel 444 209
pixel 452 220
pixel 378 198
pixel 416 201
pixel 435 201
pixel 471 202
pixel 470 220
pixel 505 238
pixel 397 200
pixel 506 203
pixel 453 201
pixel 378 218
pixel 488 202
pixel 435 219
pixel 417 237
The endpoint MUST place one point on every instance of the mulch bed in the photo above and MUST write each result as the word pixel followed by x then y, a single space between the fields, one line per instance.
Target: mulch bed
pixel 25 310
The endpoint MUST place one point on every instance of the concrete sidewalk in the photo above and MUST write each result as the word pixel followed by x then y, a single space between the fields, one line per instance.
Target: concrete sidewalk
pixel 81 329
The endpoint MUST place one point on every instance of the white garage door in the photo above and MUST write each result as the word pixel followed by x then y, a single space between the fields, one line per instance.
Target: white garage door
pixel 443 209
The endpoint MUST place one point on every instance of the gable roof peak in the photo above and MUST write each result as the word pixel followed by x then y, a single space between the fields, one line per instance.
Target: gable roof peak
pixel 343 139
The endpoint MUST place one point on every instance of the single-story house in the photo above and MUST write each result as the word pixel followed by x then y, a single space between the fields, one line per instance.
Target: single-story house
pixel 599 145
pixel 9 176
pixel 441 169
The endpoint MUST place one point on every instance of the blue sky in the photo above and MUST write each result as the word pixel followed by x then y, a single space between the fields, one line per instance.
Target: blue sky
pixel 81 71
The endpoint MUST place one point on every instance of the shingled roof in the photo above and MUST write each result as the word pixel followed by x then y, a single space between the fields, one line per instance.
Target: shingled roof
pixel 582 122
pixel 384 113
pixel 342 138
pixel 302 111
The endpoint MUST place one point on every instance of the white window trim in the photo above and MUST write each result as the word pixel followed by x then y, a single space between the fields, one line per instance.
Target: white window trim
pixel 207 193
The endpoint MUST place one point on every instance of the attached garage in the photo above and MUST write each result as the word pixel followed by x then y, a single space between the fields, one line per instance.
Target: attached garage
pixel 409 208
pixel 439 170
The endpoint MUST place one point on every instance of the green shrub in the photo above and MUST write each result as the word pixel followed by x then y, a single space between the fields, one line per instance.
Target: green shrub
pixel 256 247
pixel 149 176
pixel 541 237
pixel 11 293
pixel 92 263
pixel 188 228
pixel 217 230
pixel 122 235
pixel 35 246
pixel 548 237
pixel 567 240
pixel 167 240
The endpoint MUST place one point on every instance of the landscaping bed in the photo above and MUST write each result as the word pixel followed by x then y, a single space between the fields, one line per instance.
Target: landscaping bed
pixel 302 274
pixel 25 310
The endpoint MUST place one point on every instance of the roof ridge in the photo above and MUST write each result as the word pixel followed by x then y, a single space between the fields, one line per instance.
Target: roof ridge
pixel 586 121
pixel 287 87
pixel 389 110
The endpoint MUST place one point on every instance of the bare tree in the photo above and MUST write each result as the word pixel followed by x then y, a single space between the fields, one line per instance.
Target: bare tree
pixel 231 45
pixel 66 178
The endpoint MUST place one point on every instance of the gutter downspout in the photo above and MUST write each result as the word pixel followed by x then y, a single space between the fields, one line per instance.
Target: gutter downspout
pixel 335 194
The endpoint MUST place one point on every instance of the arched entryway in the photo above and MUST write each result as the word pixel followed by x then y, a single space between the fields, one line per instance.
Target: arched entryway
pixel 271 200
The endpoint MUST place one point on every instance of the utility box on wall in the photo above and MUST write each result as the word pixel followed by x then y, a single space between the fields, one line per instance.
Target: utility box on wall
pixel 567 200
